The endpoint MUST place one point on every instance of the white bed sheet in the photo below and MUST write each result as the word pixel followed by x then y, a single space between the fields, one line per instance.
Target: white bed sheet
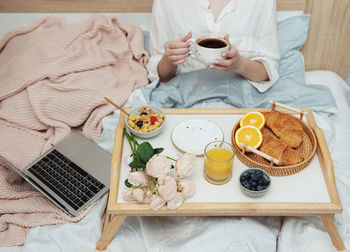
pixel 206 233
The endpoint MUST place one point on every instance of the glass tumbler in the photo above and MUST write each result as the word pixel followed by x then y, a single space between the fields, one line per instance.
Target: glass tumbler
pixel 218 162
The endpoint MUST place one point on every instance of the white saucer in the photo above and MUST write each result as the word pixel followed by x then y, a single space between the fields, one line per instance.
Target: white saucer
pixel 194 134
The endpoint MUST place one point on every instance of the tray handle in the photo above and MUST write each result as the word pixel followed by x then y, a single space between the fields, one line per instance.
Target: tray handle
pixel 299 111
pixel 260 153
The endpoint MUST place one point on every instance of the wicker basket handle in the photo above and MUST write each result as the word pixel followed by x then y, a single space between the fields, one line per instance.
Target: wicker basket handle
pixel 299 111
pixel 260 153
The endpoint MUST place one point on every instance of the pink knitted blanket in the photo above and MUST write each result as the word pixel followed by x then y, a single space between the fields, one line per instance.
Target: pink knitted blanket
pixel 54 76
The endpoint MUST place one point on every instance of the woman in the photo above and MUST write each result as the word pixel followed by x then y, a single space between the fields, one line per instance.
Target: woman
pixel 248 25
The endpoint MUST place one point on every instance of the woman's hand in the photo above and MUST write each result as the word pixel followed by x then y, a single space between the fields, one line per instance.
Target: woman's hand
pixel 175 53
pixel 234 62
pixel 231 62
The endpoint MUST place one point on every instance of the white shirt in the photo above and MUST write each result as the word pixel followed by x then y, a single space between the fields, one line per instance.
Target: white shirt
pixel 250 24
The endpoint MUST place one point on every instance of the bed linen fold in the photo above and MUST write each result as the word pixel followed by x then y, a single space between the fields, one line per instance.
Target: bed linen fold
pixel 207 86
pixel 54 76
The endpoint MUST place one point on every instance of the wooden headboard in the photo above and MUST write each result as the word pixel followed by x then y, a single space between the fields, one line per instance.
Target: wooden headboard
pixel 327 47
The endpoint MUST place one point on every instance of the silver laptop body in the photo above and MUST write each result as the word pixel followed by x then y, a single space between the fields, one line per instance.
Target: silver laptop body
pixel 87 177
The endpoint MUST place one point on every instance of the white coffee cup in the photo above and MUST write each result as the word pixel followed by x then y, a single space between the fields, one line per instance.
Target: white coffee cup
pixel 208 49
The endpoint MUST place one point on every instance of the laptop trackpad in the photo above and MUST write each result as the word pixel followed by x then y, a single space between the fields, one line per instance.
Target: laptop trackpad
pixel 94 160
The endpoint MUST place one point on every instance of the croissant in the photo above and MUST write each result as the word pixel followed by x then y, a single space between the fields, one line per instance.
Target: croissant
pixel 278 149
pixel 286 127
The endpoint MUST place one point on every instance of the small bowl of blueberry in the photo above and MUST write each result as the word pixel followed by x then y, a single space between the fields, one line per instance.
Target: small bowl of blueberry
pixel 254 182
pixel 145 121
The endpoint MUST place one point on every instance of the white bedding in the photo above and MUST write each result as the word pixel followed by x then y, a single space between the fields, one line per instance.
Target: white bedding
pixel 210 233
pixel 215 233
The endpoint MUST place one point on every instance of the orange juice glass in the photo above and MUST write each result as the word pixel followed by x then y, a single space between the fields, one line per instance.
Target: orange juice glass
pixel 218 162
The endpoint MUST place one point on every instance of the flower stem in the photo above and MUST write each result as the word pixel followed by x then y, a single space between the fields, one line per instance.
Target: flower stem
pixel 171 158
pixel 133 144
pixel 155 181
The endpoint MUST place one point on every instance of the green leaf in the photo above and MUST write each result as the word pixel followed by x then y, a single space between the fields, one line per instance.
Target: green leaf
pixel 126 182
pixel 158 150
pixel 145 151
pixel 137 164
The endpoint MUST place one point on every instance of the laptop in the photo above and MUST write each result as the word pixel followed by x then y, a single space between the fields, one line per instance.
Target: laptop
pixel 73 174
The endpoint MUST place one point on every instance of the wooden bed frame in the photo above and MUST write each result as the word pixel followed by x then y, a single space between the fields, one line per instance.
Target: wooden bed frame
pixel 327 47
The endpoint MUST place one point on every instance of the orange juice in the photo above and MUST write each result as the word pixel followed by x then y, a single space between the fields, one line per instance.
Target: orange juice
pixel 218 164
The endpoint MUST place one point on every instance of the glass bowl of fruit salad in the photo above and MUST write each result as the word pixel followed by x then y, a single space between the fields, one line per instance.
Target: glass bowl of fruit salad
pixel 254 182
pixel 145 121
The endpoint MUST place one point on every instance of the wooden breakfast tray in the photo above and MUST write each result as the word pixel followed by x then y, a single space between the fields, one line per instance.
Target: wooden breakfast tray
pixel 310 192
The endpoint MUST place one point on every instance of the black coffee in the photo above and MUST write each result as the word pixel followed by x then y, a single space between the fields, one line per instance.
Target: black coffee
pixel 212 43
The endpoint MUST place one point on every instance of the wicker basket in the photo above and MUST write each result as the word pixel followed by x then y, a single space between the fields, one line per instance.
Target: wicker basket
pixel 307 150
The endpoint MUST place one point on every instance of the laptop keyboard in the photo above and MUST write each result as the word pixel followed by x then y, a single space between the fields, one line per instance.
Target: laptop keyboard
pixel 66 179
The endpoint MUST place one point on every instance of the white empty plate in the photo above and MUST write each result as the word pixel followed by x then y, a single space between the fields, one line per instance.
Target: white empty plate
pixel 193 135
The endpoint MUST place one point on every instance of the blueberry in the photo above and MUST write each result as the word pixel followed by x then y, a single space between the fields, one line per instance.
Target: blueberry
pixel 246 184
pixel 255 180
pixel 259 173
pixel 266 177
pixel 255 177
pixel 139 124
pixel 266 181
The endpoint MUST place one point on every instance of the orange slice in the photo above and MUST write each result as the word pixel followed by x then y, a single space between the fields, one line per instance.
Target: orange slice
pixel 253 118
pixel 250 135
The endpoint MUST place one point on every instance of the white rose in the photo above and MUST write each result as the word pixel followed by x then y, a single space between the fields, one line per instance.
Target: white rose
pixel 187 188
pixel 133 194
pixel 176 201
pixel 157 166
pixel 167 187
pixel 157 203
pixel 150 195
pixel 139 194
pixel 185 165
pixel 137 178
pixel 128 195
